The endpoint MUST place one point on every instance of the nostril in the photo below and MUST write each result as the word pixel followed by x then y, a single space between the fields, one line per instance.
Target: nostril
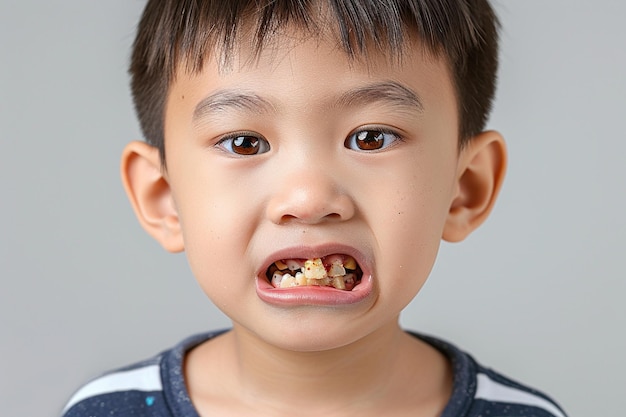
pixel 310 203
pixel 287 218
pixel 310 219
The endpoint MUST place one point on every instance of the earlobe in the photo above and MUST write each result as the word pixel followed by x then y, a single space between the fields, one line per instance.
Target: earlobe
pixel 150 195
pixel 480 173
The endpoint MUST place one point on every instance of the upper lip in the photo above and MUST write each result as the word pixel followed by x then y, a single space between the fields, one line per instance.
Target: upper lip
pixel 317 251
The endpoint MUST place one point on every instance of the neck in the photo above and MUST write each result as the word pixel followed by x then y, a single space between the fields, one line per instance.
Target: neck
pixel 387 367
pixel 351 371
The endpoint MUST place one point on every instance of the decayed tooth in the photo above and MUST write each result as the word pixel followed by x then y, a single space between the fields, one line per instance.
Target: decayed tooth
pixel 349 263
pixel 280 265
pixel 300 279
pixel 293 265
pixel 322 282
pixel 288 281
pixel 314 273
pixel 334 258
pixel 349 280
pixel 339 283
pixel 336 269
pixel 314 269
pixel 276 279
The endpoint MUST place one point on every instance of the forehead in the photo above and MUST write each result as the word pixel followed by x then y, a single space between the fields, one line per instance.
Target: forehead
pixel 298 86
pixel 295 51
pixel 377 40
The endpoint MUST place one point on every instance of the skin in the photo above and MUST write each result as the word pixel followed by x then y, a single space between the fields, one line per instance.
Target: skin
pixel 313 193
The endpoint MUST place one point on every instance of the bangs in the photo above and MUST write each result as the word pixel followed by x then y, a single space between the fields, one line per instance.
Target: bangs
pixel 183 34
pixel 190 31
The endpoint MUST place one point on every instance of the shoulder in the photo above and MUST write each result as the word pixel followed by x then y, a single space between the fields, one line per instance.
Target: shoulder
pixel 154 387
pixel 480 391
pixel 500 394
pixel 131 390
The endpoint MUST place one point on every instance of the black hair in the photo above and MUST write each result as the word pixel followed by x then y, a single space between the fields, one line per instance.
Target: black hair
pixel 174 34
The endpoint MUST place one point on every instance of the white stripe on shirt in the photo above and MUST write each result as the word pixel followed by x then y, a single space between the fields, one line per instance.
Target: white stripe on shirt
pixel 491 390
pixel 143 379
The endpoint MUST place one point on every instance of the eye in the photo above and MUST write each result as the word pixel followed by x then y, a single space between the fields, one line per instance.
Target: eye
pixel 371 140
pixel 244 144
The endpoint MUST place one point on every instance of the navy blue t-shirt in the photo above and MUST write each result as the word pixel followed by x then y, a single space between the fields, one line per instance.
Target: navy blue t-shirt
pixel 156 388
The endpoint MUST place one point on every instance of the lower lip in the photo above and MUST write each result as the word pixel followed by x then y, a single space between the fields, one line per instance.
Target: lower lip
pixel 312 295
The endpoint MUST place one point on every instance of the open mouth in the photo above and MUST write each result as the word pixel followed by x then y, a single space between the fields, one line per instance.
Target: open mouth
pixel 338 271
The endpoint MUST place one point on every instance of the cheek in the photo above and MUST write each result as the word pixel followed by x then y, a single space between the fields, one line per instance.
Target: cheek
pixel 412 229
pixel 409 226
pixel 408 250
pixel 218 217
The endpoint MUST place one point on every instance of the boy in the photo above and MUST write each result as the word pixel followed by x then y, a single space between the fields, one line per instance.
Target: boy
pixel 309 156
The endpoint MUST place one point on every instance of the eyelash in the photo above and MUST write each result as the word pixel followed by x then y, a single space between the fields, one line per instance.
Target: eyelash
pixel 386 132
pixel 257 144
pixel 227 142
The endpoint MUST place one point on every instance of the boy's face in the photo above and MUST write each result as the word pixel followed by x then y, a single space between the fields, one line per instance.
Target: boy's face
pixel 307 154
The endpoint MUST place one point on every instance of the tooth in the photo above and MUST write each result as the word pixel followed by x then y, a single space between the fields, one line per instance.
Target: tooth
pixel 334 258
pixel 312 272
pixel 288 281
pixel 349 263
pixel 276 279
pixel 314 269
pixel 300 279
pixel 339 283
pixel 350 281
pixel 322 282
pixel 293 265
pixel 336 269
pixel 280 265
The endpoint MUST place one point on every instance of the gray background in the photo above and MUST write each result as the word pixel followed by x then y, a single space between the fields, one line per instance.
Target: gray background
pixel 537 293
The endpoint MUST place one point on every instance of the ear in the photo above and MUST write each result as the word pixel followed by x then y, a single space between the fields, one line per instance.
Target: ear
pixel 480 172
pixel 150 195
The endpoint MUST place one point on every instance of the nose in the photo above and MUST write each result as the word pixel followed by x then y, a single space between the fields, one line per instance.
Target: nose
pixel 309 196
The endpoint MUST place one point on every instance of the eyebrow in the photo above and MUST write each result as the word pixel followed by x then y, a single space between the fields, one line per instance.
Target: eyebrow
pixel 223 100
pixel 389 92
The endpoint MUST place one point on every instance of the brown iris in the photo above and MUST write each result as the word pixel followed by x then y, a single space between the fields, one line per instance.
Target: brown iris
pixel 370 140
pixel 245 145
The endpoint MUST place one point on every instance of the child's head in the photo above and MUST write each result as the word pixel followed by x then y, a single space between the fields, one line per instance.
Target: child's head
pixel 176 35
pixel 300 131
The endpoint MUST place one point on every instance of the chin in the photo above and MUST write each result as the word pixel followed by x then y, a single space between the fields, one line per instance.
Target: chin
pixel 314 332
